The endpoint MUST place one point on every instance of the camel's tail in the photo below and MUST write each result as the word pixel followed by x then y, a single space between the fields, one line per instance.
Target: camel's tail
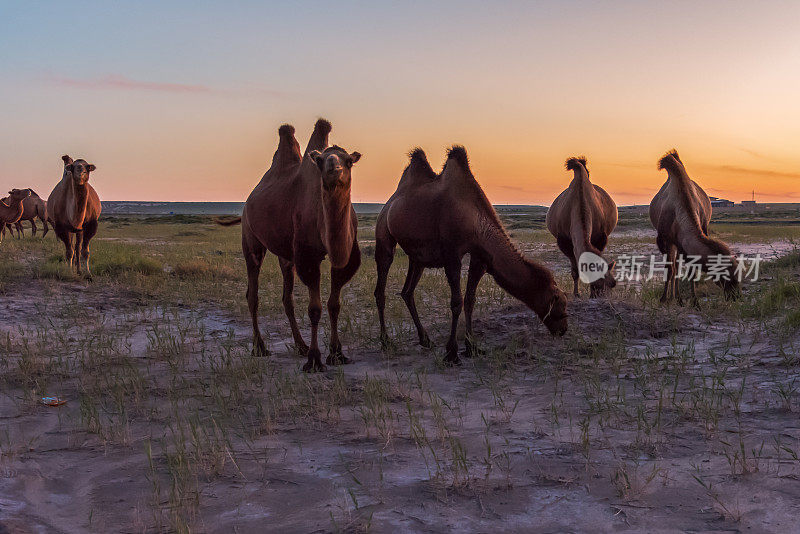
pixel 228 222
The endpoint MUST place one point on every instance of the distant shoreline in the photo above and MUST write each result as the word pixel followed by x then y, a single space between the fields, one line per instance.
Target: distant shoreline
pixel 126 207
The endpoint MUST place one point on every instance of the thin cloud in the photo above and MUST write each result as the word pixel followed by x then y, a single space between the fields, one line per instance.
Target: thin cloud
pixel 733 169
pixel 119 82
pixel 754 153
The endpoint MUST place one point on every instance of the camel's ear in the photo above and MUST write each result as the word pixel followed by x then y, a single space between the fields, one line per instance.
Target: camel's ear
pixel 67 159
pixel 316 157
pixel 90 167
pixel 354 157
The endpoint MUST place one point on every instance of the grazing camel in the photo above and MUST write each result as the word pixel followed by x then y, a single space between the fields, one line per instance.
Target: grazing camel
pixel 32 207
pixel 11 208
pixel 680 212
pixel 581 218
pixel 437 219
pixel 301 212
pixel 74 208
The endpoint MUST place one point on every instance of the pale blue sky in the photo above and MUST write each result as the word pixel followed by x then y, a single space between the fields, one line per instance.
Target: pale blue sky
pixel 181 100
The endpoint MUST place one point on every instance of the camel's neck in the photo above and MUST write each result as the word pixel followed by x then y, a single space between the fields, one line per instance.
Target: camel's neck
pixel 10 211
pixel 521 278
pixel 77 200
pixel 338 233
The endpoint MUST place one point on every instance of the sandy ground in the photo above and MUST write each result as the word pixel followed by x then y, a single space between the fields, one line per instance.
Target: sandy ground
pixel 547 435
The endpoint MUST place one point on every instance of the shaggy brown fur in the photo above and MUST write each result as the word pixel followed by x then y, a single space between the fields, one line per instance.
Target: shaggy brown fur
pixel 75 207
pixel 681 212
pixel 436 220
pixel 11 208
pixel 581 219
pixel 301 212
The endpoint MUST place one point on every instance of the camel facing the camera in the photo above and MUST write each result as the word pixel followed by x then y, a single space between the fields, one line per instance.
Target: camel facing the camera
pixel 301 212
pixel 75 207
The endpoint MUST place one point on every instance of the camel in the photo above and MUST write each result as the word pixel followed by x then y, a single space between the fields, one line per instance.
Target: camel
pixel 301 212
pixel 581 218
pixel 680 213
pixel 32 207
pixel 74 208
pixel 11 208
pixel 437 219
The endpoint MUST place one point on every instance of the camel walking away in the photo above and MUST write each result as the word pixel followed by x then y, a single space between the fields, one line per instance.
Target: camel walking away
pixel 581 218
pixel 74 208
pixel 11 208
pixel 680 213
pixel 437 219
pixel 32 207
pixel 301 212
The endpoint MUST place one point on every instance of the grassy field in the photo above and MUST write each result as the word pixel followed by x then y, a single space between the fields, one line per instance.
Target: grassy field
pixel 642 416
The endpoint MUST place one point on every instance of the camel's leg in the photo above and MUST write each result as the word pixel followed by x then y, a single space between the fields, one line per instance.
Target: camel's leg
pixel 66 237
pixel 384 256
pixel 477 269
pixel 44 223
pixel 676 281
pixel 453 272
pixel 287 270
pixel 33 227
pixel 253 257
pixel 89 230
pixel 565 245
pixel 693 287
pixel 20 230
pixel 412 279
pixel 309 274
pixel 77 256
pixel 339 277
pixel 669 281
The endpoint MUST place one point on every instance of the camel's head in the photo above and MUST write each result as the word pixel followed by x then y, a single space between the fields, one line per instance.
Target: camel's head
pixel 555 315
pixel 722 255
pixel 335 164
pixel 601 287
pixel 18 195
pixel 78 169
pixel 731 286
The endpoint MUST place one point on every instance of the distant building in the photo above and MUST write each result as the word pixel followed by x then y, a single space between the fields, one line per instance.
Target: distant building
pixel 720 202
pixel 749 203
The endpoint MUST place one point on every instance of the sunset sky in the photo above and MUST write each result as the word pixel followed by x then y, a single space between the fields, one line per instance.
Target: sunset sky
pixel 182 100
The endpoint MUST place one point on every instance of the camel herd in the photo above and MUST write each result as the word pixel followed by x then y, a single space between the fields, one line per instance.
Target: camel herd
pixel 301 211
pixel 73 207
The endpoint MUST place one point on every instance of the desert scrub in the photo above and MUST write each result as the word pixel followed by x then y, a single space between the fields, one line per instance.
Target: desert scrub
pixel 115 259
pixel 780 293
pixel 199 268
